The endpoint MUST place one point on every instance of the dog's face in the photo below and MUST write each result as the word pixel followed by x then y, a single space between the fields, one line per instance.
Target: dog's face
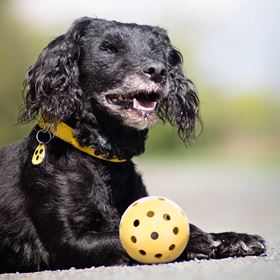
pixel 124 68
pixel 129 71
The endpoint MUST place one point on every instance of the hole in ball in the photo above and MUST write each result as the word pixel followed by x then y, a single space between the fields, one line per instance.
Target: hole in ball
pixel 136 223
pixel 41 151
pixel 161 198
pixel 166 217
pixel 150 214
pixel 133 239
pixel 172 247
pixel 134 204
pixel 176 230
pixel 37 157
pixel 154 235
pixel 158 256
pixel 142 252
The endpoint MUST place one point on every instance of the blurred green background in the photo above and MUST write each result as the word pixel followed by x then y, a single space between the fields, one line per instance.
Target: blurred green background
pixel 228 53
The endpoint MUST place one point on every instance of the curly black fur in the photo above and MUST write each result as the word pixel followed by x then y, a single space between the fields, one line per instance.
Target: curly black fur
pixel 53 80
pixel 65 212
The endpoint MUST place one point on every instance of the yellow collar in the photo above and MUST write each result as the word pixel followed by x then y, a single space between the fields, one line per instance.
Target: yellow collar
pixel 65 133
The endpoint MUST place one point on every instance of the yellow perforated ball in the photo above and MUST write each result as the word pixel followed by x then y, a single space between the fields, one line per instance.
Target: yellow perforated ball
pixel 154 230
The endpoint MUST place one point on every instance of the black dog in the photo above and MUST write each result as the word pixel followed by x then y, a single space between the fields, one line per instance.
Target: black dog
pixel 60 206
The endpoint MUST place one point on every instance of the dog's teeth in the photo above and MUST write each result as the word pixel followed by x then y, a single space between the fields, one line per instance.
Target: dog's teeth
pixel 120 98
pixel 136 104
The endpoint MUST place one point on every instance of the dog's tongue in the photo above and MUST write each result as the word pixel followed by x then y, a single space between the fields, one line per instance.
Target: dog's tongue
pixel 144 105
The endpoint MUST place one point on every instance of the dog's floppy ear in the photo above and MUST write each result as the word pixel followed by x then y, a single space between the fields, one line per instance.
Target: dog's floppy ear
pixel 52 84
pixel 181 106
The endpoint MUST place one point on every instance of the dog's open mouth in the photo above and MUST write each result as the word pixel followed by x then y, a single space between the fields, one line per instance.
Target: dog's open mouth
pixel 140 101
pixel 139 108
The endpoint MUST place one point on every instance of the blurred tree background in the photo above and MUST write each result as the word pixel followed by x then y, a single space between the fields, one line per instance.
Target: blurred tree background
pixel 237 127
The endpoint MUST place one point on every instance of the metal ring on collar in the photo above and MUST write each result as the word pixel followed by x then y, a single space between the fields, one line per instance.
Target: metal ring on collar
pixel 46 134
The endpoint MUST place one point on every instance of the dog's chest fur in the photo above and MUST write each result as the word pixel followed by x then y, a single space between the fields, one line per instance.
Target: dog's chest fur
pixel 69 192
pixel 68 181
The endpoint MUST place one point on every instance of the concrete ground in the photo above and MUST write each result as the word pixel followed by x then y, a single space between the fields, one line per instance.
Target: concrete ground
pixel 216 197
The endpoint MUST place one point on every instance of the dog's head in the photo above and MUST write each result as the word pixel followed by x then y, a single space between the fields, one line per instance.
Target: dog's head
pixel 130 71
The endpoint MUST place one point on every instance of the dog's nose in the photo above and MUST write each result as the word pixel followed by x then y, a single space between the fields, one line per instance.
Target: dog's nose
pixel 156 71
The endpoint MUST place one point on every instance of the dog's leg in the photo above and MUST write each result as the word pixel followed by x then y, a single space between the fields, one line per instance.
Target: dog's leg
pixel 204 245
pixel 92 249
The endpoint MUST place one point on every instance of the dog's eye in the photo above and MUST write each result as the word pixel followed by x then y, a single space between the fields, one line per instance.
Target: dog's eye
pixel 175 57
pixel 109 47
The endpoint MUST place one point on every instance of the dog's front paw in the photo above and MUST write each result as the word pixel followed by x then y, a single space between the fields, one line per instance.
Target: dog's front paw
pixel 238 245
pixel 203 245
